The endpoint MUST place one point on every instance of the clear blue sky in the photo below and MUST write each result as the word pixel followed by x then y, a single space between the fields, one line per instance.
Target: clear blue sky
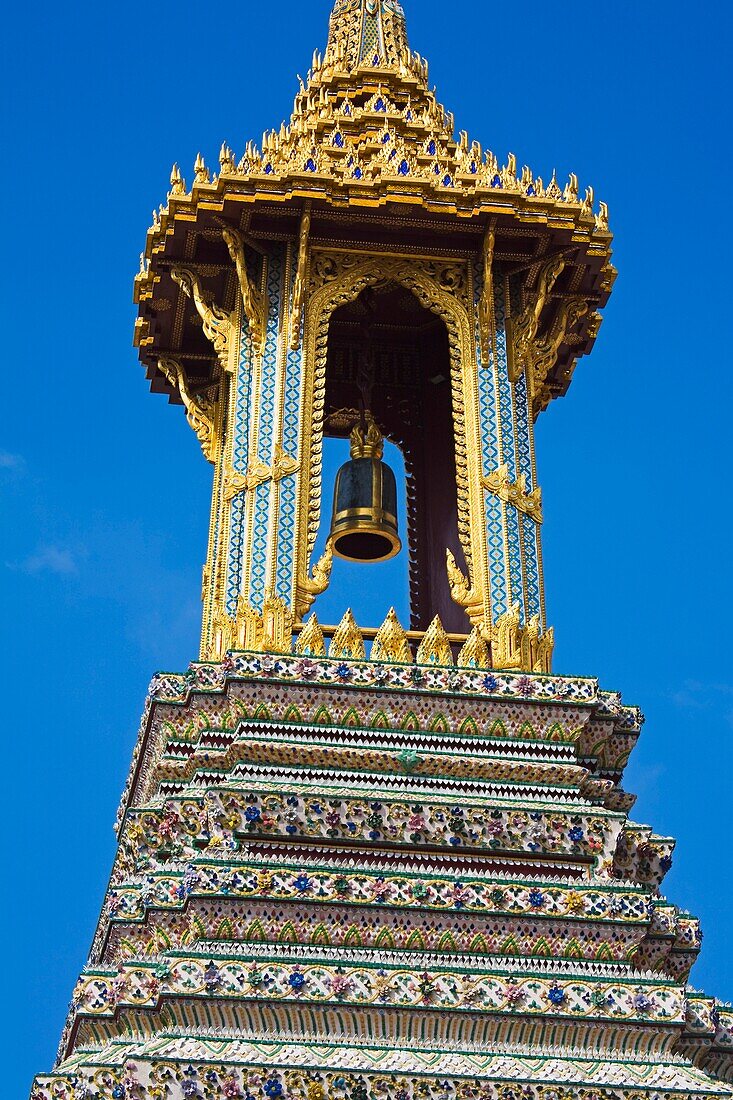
pixel 104 490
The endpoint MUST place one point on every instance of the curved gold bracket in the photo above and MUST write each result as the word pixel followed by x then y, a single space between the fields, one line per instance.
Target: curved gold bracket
pixel 545 351
pixel 462 592
pixel 200 410
pixel 527 324
pixel 485 301
pixel 315 583
pixel 300 283
pixel 217 323
pixel 254 304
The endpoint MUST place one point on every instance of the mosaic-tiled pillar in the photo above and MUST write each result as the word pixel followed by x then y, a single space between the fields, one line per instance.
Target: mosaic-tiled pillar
pixel 507 458
pixel 264 436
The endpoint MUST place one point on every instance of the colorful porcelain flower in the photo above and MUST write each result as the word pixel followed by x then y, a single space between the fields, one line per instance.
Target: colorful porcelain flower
pixel 556 995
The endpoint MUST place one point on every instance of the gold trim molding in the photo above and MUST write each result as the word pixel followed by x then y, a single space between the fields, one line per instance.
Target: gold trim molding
pixel 219 326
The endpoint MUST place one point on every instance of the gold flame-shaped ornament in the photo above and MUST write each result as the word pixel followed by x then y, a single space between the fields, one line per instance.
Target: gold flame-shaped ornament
pixel 434 649
pixel 310 641
pixel 390 643
pixel 474 652
pixel 347 640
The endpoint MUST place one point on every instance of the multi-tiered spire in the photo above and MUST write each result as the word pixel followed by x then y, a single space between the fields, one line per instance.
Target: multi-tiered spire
pixel 367 32
pixel 364 861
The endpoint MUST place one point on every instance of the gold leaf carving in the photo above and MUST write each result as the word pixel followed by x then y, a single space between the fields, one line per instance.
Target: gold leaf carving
pixel 248 627
pixel 282 464
pixel 601 218
pixel 506 649
pixel 474 652
pixel 268 631
pixel 485 301
pixel 545 352
pixel 521 647
pixel 299 284
pixel 310 640
pixel 460 589
pixel 200 410
pixel 390 643
pixel 317 582
pixel 222 634
pixel 347 640
pixel 369 443
pixel 232 483
pixel 277 625
pixel 526 325
pixel 255 307
pixel 218 325
pixel 514 492
pixel 259 473
pixel 434 649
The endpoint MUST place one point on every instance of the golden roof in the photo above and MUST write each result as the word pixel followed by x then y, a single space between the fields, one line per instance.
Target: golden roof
pixel 368 140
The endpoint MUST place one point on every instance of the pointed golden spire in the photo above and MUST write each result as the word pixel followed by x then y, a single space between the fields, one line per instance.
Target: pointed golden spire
pixel 391 642
pixel 310 640
pixel 366 32
pixel 434 649
pixel 474 652
pixel 347 640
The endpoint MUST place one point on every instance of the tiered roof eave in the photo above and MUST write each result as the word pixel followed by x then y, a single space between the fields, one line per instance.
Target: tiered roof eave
pixel 373 142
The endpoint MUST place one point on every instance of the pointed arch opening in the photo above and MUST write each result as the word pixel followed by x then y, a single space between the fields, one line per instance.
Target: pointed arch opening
pixel 409 394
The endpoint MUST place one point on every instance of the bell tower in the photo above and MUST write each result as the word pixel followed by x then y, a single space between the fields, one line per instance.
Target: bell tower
pixel 363 249
pixel 364 861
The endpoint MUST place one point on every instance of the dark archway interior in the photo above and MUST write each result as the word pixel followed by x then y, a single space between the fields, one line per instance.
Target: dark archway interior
pixel 388 339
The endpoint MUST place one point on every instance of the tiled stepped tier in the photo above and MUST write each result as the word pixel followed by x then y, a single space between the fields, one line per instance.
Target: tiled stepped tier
pixel 385 882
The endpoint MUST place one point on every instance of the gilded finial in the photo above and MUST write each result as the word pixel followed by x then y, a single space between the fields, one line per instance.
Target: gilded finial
pixel 201 172
pixel 226 158
pixel 366 444
pixel 602 216
pixel 553 189
pixel 178 184
pixel 570 194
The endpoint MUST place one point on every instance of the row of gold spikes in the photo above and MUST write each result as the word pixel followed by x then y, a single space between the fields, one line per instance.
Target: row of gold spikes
pixel 391 643
pixel 511 179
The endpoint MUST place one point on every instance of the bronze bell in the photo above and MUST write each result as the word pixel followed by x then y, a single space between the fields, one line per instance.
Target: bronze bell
pixel 364 521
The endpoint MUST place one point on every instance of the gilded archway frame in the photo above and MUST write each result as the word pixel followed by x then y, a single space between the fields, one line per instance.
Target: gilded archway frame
pixel 444 287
